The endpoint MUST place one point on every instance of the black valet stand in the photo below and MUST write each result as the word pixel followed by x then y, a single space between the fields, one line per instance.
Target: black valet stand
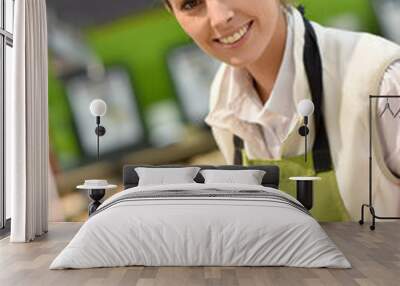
pixel 96 195
pixel 305 190
pixel 305 193
pixel 370 203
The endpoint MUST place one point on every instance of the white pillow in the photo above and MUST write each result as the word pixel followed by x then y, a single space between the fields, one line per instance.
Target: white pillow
pixel 247 177
pixel 162 176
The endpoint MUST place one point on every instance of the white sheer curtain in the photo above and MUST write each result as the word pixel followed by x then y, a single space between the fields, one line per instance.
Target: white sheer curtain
pixel 27 124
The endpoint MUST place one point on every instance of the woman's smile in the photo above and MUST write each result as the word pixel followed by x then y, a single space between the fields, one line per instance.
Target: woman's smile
pixel 237 32
pixel 235 39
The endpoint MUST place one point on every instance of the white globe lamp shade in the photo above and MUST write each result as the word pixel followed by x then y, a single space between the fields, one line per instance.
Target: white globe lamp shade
pixel 98 107
pixel 305 107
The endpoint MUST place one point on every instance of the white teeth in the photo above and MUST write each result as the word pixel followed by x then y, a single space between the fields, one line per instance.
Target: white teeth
pixel 235 37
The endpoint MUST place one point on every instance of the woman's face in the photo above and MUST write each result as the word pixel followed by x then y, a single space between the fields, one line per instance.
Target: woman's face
pixel 234 31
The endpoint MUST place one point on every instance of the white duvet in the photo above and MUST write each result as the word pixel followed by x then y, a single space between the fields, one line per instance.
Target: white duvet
pixel 200 231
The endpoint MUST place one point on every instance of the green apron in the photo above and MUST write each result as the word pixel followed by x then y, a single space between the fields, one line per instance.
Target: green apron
pixel 328 203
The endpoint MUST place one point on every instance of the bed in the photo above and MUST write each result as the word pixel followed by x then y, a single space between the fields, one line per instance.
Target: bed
pixel 201 224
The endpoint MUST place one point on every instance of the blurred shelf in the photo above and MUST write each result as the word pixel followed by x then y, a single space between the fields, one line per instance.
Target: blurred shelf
pixel 196 143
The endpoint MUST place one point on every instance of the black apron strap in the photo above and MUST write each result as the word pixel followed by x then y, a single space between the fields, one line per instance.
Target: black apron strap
pixel 239 146
pixel 313 66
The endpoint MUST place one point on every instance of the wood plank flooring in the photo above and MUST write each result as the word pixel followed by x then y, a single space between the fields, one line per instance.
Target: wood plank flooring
pixel 375 257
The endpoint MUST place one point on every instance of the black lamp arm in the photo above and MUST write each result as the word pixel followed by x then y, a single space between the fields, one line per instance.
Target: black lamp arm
pixel 100 131
pixel 304 131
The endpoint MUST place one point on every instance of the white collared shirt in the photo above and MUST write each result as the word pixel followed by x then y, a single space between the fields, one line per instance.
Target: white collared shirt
pixel 279 112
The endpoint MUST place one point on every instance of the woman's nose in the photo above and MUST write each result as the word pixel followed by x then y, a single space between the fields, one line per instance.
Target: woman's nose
pixel 219 13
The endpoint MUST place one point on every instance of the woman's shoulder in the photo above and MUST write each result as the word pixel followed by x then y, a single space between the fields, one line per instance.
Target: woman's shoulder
pixel 344 50
pixel 340 39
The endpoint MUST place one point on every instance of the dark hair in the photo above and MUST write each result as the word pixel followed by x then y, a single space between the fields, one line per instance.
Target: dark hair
pixel 167 4
pixel 169 7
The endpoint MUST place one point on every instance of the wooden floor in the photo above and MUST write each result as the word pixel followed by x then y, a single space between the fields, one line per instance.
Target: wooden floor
pixel 375 257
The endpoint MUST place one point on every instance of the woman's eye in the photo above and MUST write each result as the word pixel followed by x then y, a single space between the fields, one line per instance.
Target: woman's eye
pixel 189 4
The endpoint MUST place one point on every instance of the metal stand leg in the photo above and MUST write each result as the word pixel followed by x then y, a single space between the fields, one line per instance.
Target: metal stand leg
pixel 96 196
pixel 361 221
pixel 372 210
pixel 374 216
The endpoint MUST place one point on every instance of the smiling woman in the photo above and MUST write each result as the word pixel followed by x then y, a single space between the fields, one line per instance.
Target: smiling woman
pixel 235 32
pixel 274 57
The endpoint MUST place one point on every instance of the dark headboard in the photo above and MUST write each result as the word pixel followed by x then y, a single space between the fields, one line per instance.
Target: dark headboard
pixel 271 177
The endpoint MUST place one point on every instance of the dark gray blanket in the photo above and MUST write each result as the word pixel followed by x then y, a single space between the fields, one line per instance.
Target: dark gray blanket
pixel 205 194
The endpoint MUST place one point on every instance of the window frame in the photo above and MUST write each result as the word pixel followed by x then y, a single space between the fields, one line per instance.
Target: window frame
pixel 6 39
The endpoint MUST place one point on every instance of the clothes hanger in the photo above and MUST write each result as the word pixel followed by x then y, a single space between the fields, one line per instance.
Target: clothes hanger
pixel 397 113
pixel 388 108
